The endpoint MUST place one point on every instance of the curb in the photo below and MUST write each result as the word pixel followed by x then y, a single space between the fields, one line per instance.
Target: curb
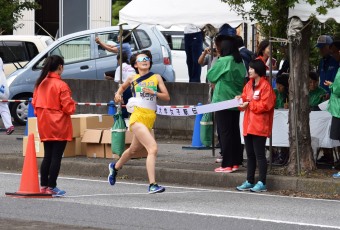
pixel 184 176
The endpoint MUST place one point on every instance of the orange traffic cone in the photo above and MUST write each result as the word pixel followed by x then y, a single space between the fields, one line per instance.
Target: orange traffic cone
pixel 29 185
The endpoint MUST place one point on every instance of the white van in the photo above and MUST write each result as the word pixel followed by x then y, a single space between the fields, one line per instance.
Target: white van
pixel 17 50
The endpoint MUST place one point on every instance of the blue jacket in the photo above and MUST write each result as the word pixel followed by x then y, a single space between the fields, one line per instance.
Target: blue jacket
pixel 328 67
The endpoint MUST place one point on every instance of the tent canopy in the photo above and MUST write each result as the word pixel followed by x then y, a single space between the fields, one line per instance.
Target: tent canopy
pixel 179 12
pixel 304 11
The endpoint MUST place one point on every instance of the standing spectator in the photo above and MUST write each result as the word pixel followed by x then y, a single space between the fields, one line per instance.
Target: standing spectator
pixel 316 93
pixel 53 106
pixel 327 70
pixel 228 76
pixel 147 87
pixel 127 71
pixel 258 103
pixel 334 101
pixel 126 47
pixel 246 54
pixel 4 93
pixel 328 66
pixel 193 45
pixel 263 53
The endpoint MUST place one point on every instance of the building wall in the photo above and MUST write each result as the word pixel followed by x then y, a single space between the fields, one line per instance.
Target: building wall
pixel 99 16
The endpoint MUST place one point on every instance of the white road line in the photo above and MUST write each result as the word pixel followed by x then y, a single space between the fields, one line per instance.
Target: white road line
pixel 236 217
pixel 128 194
pixel 191 188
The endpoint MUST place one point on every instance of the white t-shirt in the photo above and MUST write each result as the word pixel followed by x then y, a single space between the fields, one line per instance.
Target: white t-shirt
pixel 127 72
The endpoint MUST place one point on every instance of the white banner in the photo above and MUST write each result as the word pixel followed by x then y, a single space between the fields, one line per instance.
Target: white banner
pixel 169 110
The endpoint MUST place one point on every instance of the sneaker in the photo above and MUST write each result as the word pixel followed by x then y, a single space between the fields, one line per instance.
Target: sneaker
pixel 259 187
pixel 10 130
pixel 155 188
pixel 224 170
pixel 113 173
pixel 235 168
pixel 219 159
pixel 246 186
pixel 56 192
pixel 43 189
pixel 336 175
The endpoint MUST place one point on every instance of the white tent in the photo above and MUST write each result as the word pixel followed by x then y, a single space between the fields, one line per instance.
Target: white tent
pixel 179 12
pixel 304 10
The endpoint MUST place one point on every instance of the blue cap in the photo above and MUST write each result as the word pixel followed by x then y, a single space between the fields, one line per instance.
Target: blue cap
pixel 324 40
pixel 226 29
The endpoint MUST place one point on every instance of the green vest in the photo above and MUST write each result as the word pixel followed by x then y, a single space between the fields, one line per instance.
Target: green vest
pixel 334 101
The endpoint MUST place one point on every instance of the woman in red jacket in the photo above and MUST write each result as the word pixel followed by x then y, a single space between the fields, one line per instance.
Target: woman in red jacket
pixel 53 106
pixel 258 103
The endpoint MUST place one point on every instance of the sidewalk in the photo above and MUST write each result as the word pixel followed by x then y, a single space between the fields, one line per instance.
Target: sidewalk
pixel 174 165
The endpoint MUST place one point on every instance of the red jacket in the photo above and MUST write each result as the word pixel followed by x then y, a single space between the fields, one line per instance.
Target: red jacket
pixel 53 106
pixel 258 116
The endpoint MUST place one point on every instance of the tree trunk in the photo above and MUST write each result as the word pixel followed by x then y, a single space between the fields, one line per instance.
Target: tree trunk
pixel 299 131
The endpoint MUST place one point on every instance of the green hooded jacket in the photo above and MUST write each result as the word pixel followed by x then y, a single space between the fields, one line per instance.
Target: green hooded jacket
pixel 228 77
pixel 280 99
pixel 334 101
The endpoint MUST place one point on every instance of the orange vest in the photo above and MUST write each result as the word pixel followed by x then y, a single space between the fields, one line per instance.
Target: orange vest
pixel 258 116
pixel 53 106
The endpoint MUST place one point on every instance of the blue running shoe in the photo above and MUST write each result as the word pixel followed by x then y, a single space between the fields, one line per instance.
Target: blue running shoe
pixel 336 175
pixel 259 187
pixel 113 173
pixel 155 188
pixel 246 186
pixel 55 192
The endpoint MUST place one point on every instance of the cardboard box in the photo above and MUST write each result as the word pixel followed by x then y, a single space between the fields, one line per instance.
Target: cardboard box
pixel 93 121
pixel 92 138
pixel 39 147
pixel 73 148
pixel 33 127
pixel 106 141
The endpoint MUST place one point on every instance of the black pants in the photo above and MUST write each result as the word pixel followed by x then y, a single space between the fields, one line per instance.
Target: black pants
pixel 256 151
pixel 230 140
pixel 193 44
pixel 50 166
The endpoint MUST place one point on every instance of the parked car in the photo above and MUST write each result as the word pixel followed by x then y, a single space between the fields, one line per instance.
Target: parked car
pixel 17 50
pixel 175 38
pixel 84 59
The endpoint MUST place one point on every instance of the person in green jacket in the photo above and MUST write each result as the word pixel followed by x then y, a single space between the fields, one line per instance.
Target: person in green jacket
pixel 334 101
pixel 316 94
pixel 228 75
pixel 281 91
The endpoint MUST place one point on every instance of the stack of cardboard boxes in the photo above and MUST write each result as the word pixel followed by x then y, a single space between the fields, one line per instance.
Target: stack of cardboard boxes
pixel 91 137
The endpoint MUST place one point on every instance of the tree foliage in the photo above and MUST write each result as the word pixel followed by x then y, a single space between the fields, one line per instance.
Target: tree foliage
pixel 116 7
pixel 11 12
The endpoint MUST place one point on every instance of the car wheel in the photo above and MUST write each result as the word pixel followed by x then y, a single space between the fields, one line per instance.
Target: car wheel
pixel 19 111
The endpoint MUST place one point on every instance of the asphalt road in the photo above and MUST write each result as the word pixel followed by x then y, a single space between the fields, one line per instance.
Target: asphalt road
pixel 93 204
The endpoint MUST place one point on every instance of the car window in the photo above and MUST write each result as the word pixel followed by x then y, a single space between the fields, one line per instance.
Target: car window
pixel 32 50
pixel 13 51
pixel 112 39
pixel 75 50
pixel 143 39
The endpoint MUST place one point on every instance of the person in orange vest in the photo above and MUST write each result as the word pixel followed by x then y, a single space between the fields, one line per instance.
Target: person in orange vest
pixel 53 106
pixel 258 104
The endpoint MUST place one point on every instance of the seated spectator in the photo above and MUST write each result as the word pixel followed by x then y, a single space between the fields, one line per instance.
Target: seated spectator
pixel 281 91
pixel 316 94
